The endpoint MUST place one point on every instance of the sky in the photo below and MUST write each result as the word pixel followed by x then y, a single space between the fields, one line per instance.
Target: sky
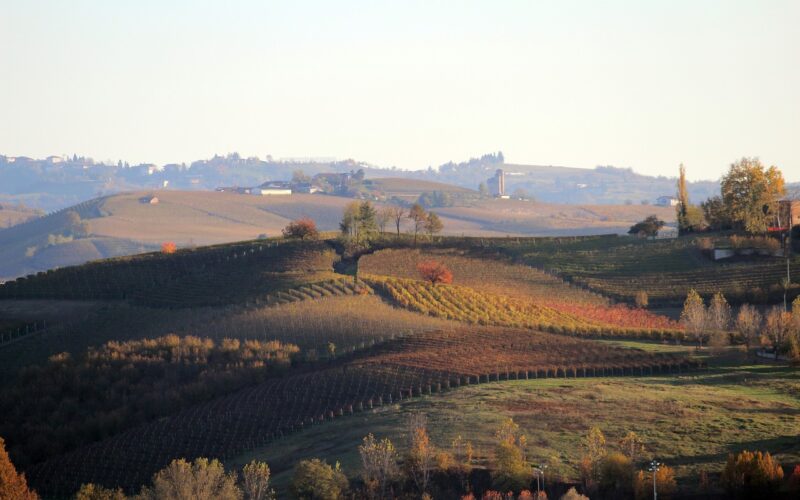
pixel 640 84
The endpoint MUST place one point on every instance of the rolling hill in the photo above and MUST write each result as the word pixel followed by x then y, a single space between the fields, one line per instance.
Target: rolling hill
pixel 123 224
pixel 11 215
pixel 78 404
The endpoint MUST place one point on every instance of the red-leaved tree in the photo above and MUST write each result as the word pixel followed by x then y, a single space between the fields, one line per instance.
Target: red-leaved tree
pixel 435 272
pixel 304 228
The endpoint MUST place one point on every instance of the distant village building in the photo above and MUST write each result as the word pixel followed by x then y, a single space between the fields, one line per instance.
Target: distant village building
pixel 667 201
pixel 149 200
pixel 54 159
pixel 497 184
pixel 273 188
pixel 305 187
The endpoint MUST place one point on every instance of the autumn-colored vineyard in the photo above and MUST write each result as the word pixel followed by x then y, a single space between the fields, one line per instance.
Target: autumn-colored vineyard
pixel 392 371
pixel 480 308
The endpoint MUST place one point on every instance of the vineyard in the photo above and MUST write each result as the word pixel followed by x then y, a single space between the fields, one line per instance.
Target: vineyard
pixel 121 384
pixel 392 371
pixel 665 269
pixel 487 274
pixel 350 320
pixel 214 275
pixel 480 308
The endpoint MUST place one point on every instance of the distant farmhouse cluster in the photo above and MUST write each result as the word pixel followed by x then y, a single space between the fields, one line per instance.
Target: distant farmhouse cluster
pixel 331 183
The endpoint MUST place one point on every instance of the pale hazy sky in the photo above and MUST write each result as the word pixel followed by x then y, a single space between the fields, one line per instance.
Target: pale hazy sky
pixel 642 84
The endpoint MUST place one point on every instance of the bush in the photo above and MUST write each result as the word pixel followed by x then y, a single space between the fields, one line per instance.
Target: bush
pixel 316 480
pixel 641 299
pixel 616 475
pixel 751 475
pixel 303 229
pixel 199 480
pixel 96 492
pixel 573 494
pixel 665 482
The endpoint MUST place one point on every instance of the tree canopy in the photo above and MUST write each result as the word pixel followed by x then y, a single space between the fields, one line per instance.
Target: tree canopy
pixel 750 193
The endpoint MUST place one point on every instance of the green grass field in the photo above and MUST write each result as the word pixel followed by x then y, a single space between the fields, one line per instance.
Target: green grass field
pixel 690 422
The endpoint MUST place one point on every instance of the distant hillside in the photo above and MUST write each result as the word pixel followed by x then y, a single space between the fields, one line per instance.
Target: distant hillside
pixel 126 224
pixel 600 185
pixel 57 182
pixel 11 214
pixel 409 190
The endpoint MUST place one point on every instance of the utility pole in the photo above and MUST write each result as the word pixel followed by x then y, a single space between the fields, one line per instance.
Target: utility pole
pixel 654 467
pixel 542 468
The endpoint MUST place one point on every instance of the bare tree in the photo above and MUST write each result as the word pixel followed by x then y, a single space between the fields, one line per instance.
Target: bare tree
pixel 396 214
pixel 719 312
pixel 719 319
pixel 694 316
pixel 383 218
pixel 748 325
pixel 418 217
pixel 777 327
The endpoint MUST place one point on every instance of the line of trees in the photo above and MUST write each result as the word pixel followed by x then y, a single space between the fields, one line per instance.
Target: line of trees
pixel 776 328
pixel 748 202
pixel 424 470
pixel 362 223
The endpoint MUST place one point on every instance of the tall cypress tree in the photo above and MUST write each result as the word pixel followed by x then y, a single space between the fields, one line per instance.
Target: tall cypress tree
pixel 683 203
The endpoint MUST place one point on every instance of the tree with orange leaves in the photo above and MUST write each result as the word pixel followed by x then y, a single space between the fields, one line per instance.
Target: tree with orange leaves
pixel 435 272
pixel 12 484
pixel 303 228
pixel 169 247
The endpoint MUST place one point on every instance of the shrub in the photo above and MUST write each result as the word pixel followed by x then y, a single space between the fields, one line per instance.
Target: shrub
pixel 751 475
pixel 96 492
pixel 665 482
pixel 641 299
pixel 616 475
pixel 199 480
pixel 794 480
pixel 316 480
pixel 573 494
pixel 303 228
pixel 169 247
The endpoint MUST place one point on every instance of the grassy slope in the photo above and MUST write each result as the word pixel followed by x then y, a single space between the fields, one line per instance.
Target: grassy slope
pixel 689 422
